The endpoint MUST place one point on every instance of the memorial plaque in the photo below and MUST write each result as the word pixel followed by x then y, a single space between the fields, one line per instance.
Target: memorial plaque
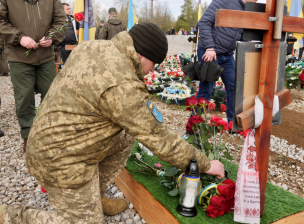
pixel 248 64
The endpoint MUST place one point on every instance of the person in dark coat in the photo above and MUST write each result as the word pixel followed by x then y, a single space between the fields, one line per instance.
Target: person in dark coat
pixel 218 44
pixel 168 32
pixel 112 27
pixel 173 31
pixel 71 34
pixel 99 29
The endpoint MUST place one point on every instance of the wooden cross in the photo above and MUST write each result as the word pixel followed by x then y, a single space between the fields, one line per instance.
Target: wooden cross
pixel 269 64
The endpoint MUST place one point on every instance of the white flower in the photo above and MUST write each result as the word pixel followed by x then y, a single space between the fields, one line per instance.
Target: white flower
pixel 138 156
pixel 140 145
pixel 150 153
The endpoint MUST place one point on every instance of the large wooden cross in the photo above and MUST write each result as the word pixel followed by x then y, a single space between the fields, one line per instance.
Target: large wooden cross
pixel 269 64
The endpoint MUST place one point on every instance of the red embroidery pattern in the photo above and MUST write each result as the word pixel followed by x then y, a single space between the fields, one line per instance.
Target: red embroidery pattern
pixel 251 158
pixel 252 212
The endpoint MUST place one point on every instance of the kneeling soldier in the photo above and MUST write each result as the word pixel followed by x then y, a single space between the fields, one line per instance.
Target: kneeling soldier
pixel 86 126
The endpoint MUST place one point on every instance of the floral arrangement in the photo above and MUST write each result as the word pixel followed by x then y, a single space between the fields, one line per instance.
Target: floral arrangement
pixel 216 198
pixel 152 78
pixel 301 77
pixel 293 77
pixel 204 128
pixel 176 90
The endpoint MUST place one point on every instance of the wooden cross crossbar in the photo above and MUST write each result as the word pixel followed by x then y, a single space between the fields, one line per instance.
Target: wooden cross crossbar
pixel 268 70
pixel 255 20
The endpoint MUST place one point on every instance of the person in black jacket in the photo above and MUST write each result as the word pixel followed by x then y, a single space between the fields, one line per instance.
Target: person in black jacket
pixel 71 34
pixel 173 31
pixel 217 44
pixel 168 32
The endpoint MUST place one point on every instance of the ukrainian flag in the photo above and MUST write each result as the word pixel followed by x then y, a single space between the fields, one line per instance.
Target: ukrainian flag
pixel 294 8
pixel 132 18
pixel 87 27
pixel 199 13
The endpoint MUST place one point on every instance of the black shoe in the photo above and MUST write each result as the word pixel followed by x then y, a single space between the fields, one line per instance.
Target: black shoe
pixel 5 74
pixel 1 133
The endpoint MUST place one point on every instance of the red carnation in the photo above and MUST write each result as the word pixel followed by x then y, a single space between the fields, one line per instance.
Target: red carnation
pixel 227 189
pixel 193 120
pixel 301 77
pixel 222 124
pixel 42 190
pixel 223 107
pixel 243 133
pixel 230 126
pixel 202 102
pixel 191 103
pixel 79 16
pixel 211 106
pixel 215 119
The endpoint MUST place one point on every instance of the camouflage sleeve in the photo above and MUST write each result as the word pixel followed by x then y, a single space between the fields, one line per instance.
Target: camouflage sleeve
pixel 59 19
pixel 127 106
pixel 104 32
pixel 8 33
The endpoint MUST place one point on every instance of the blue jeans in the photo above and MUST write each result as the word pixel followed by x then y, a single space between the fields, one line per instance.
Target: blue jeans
pixel 205 88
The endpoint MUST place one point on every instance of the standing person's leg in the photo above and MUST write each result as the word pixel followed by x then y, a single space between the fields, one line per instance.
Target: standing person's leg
pixel 64 54
pixel 228 78
pixel 23 79
pixel 72 206
pixel 4 65
pixel 45 74
pixel 110 167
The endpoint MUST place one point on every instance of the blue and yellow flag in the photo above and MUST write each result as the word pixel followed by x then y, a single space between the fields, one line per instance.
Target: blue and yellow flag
pixel 87 27
pixel 199 13
pixel 294 8
pixel 132 18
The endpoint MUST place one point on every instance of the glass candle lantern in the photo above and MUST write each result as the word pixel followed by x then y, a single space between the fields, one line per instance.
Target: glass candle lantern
pixel 189 188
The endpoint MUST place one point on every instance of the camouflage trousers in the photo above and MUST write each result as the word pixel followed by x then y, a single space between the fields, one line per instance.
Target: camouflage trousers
pixel 82 205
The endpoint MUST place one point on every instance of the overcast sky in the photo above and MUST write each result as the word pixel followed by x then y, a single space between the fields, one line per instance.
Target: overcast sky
pixel 175 5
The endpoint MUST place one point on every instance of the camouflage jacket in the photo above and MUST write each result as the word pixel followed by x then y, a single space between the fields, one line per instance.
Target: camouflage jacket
pixel 99 92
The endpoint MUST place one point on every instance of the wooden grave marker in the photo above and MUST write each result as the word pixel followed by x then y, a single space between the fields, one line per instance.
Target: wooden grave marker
pixel 269 63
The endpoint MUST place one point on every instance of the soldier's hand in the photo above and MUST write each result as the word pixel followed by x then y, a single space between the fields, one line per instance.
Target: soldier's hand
pixel 45 43
pixel 216 169
pixel 28 43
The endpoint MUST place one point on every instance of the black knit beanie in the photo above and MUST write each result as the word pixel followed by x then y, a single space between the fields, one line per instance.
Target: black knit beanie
pixel 150 41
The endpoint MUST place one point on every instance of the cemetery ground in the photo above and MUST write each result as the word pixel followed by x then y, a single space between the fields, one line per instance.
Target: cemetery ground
pixel 18 187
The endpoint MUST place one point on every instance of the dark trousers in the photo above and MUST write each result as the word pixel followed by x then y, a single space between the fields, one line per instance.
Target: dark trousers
pixel 64 54
pixel 205 88
pixel 24 78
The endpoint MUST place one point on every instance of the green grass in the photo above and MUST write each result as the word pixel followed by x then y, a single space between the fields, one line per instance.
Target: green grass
pixel 279 203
